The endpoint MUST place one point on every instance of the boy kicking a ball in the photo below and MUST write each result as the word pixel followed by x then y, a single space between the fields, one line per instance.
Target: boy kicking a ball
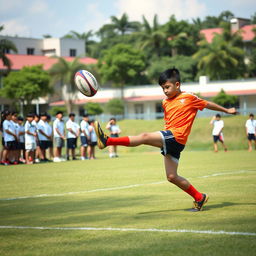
pixel 180 109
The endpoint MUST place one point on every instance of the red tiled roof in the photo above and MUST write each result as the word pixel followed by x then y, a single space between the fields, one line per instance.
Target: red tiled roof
pixel 18 61
pixel 209 33
pixel 247 33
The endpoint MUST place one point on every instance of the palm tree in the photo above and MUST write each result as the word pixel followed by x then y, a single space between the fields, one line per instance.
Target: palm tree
pixel 6 46
pixel 219 59
pixel 152 37
pixel 63 72
pixel 123 25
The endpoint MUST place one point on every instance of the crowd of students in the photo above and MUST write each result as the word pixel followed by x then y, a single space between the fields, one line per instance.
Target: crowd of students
pixel 34 141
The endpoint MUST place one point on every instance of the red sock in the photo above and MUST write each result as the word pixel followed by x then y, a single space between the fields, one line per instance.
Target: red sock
pixel 122 141
pixel 194 193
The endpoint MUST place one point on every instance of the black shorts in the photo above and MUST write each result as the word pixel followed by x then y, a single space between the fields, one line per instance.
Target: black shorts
pixel 49 143
pixel 84 142
pixel 171 146
pixel 3 143
pixel 71 143
pixel 93 143
pixel 43 144
pixel 251 136
pixel 114 135
pixel 12 145
pixel 22 145
pixel 217 138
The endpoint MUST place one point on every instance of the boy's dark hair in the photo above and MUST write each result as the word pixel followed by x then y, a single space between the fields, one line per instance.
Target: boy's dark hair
pixel 85 115
pixel 30 115
pixel 172 75
pixel 251 115
pixel 218 115
pixel 14 113
pixel 112 118
pixel 91 121
pixel 43 114
pixel 20 118
pixel 72 114
pixel 59 112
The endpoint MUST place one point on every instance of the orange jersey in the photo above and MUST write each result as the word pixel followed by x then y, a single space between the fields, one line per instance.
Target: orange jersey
pixel 179 114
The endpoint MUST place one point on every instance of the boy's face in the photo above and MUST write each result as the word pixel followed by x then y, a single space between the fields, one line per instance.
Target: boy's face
pixel 30 119
pixel 59 116
pixel 170 89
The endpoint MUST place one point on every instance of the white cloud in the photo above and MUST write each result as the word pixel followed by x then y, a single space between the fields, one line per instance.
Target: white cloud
pixel 38 7
pixel 183 9
pixel 15 27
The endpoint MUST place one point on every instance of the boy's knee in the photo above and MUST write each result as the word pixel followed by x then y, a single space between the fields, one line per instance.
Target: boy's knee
pixel 172 178
pixel 144 136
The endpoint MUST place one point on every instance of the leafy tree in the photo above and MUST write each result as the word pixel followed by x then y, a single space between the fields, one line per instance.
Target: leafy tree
pixel 253 18
pixel 185 64
pixel 252 57
pixel 121 64
pixel 225 100
pixel 115 107
pixel 6 45
pixel 26 85
pixel 152 38
pixel 93 108
pixel 55 109
pixel 123 25
pixel 223 58
pixel 63 72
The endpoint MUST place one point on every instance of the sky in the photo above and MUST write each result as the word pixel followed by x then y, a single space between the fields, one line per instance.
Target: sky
pixel 35 18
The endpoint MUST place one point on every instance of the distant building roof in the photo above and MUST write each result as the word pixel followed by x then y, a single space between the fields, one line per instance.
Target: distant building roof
pixel 19 61
pixel 247 33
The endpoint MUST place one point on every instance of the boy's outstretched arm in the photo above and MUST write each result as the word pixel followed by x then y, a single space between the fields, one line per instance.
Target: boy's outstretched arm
pixel 214 106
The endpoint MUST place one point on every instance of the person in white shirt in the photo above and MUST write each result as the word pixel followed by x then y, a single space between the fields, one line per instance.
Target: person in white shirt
pixel 93 140
pixel 114 133
pixel 21 135
pixel 30 139
pixel 217 133
pixel 43 136
pixel 73 131
pixel 250 127
pixel 84 136
pixel 10 138
pixel 38 150
pixel 49 132
pixel 16 152
pixel 59 136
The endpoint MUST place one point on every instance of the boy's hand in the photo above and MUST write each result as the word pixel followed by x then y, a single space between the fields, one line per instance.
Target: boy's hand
pixel 231 111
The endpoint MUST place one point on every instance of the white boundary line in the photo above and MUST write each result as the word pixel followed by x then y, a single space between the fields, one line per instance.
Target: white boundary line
pixel 208 232
pixel 118 188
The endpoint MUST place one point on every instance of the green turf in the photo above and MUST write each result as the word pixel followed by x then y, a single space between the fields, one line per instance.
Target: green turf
pixel 232 206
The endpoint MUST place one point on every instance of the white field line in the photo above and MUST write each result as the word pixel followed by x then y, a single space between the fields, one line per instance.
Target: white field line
pixel 209 232
pixel 117 188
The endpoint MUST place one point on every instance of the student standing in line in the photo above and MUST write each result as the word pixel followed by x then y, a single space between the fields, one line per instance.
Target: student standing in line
pixel 73 131
pixel 84 136
pixel 59 136
pixel 93 140
pixel 114 133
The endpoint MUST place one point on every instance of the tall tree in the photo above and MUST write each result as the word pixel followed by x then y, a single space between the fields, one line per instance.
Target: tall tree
pixel 123 25
pixel 26 85
pixel 63 72
pixel 152 38
pixel 120 65
pixel 6 46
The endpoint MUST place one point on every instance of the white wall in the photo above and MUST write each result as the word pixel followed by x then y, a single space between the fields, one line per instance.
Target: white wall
pixel 68 43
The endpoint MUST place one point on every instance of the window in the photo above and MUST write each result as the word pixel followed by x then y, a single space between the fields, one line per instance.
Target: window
pixel 72 52
pixel 6 51
pixel 30 51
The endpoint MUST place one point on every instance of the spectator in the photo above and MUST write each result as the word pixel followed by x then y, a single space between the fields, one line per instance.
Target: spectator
pixel 218 126
pixel 93 140
pixel 16 151
pixel 42 136
pixel 250 127
pixel 21 134
pixel 72 134
pixel 38 150
pixel 114 133
pixel 59 136
pixel 30 139
pixel 84 136
pixel 10 138
pixel 49 132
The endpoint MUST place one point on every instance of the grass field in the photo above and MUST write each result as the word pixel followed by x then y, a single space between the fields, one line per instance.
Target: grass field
pixel 125 207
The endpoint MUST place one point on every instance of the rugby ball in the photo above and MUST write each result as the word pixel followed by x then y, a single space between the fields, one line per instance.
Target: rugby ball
pixel 86 83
